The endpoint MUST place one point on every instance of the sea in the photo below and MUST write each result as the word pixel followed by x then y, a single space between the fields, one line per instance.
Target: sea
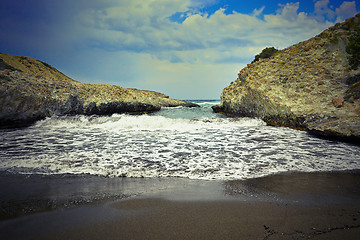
pixel 193 143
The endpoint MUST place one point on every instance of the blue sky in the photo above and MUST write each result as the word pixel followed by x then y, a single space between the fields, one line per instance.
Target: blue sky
pixel 188 49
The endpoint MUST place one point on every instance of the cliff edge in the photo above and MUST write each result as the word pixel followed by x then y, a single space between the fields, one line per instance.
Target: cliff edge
pixel 31 90
pixel 308 86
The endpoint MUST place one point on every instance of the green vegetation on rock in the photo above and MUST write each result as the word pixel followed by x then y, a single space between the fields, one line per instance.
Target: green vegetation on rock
pixel 265 53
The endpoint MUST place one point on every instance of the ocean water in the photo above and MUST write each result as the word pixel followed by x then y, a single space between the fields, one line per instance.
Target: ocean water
pixel 181 142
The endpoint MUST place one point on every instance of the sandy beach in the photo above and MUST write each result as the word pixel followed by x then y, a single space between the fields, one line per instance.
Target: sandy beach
pixel 285 206
pixel 161 219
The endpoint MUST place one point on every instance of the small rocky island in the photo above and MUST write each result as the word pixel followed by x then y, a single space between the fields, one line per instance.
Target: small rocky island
pixel 311 86
pixel 31 90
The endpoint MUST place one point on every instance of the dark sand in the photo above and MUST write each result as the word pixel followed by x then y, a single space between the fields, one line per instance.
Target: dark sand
pixel 161 219
pixel 290 206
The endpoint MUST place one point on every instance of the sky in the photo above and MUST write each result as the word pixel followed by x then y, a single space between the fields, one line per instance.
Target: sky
pixel 187 49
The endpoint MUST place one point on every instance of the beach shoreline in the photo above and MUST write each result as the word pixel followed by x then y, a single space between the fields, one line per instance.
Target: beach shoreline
pixel 282 206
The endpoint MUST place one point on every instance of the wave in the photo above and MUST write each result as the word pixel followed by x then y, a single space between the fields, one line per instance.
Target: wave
pixel 205 101
pixel 208 102
pixel 174 142
pixel 156 146
pixel 145 122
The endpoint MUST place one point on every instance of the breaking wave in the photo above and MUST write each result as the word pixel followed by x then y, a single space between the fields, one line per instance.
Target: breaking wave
pixel 175 142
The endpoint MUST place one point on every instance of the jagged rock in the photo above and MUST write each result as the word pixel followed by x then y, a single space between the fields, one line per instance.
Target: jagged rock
pixel 296 87
pixel 74 105
pixel 125 107
pixel 92 109
pixel 31 90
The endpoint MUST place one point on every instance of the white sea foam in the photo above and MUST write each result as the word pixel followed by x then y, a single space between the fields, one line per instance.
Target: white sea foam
pixel 145 122
pixel 210 147
pixel 208 102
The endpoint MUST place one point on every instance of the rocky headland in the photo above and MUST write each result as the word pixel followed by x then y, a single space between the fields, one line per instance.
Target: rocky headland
pixel 31 90
pixel 308 86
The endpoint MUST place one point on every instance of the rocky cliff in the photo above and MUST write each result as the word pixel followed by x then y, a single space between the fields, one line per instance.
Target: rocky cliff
pixel 31 90
pixel 308 86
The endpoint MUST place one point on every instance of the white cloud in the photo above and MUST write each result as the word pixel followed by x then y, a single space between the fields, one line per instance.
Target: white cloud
pixel 289 11
pixel 203 52
pixel 346 10
pixel 323 11
pixel 145 26
pixel 258 12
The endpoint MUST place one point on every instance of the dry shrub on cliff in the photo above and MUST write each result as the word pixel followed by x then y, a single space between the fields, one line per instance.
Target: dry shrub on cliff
pixel 265 53
pixel 353 49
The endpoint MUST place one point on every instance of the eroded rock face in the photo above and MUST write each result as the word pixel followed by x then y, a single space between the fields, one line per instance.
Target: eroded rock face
pixel 308 86
pixel 31 90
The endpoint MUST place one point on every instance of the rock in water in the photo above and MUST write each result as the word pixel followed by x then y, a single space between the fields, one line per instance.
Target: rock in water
pixel 31 90
pixel 308 86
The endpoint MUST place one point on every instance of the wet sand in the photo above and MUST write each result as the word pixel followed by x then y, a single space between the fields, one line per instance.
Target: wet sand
pixel 287 206
pixel 163 219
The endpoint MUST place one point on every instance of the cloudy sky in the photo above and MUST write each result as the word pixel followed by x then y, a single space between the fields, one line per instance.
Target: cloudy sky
pixel 188 49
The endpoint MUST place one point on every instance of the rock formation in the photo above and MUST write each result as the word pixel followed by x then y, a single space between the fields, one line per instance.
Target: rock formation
pixel 308 86
pixel 31 90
